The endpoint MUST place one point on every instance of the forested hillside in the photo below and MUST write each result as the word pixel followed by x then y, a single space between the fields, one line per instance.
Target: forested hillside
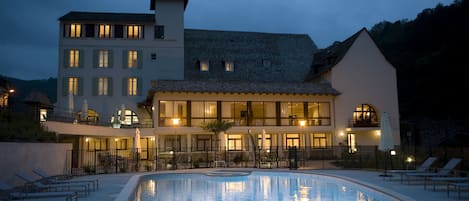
pixel 431 56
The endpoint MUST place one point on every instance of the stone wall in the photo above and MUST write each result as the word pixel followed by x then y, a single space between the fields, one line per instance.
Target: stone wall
pixel 53 158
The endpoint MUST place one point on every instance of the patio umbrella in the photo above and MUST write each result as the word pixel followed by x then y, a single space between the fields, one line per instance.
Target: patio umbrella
pixel 263 139
pixel 84 110
pixel 137 146
pixel 386 142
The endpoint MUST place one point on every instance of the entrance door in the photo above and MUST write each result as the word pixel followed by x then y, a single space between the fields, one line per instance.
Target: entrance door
pixel 351 142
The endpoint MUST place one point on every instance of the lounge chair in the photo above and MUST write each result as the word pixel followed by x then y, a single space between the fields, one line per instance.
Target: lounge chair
pixel 38 184
pixel 64 179
pixel 443 172
pixel 443 181
pixel 424 167
pixel 10 193
pixel 458 187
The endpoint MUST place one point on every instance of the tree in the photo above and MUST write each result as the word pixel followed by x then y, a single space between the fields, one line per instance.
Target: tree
pixel 217 127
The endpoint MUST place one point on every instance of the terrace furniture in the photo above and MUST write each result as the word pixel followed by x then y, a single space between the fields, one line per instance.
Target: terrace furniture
pixel 424 167
pixel 458 187
pixel 444 180
pixel 64 179
pixel 10 193
pixel 443 172
pixel 39 184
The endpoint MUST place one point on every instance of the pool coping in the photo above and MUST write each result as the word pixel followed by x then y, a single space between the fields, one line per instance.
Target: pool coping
pixel 128 190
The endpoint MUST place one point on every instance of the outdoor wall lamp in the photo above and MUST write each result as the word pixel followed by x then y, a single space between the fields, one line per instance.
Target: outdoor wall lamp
pixel 175 121
pixel 393 152
pixel 302 123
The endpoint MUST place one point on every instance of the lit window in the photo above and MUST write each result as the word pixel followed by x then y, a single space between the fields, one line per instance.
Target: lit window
pixel 103 86
pixel 75 31
pixel 132 59
pixel 319 140
pixel 204 65
pixel 293 140
pixel 229 66
pixel 129 118
pixel 73 85
pixel 103 58
pixel 235 142
pixel 42 115
pixel 266 143
pixel 134 31
pixel 132 86
pixel 104 31
pixel 74 57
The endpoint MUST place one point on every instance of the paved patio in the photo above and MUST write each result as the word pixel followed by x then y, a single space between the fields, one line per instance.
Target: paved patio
pixel 111 184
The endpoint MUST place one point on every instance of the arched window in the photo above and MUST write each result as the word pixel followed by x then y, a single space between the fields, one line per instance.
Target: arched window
pixel 91 116
pixel 129 118
pixel 365 116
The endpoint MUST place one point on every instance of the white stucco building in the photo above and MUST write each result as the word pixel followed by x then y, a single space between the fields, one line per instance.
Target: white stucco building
pixel 147 71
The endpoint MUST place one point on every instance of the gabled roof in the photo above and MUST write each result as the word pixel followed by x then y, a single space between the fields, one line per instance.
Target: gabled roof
pixel 152 4
pixel 327 58
pixel 108 17
pixel 243 87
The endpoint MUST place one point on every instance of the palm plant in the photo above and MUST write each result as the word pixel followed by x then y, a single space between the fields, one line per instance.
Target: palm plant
pixel 217 127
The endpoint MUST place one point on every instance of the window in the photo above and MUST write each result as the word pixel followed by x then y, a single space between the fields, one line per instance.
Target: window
pixel 42 115
pixel 121 144
pixel 320 140
pixel 159 32
pixel 103 59
pixel 229 66
pixel 96 144
pixel 292 140
pixel 118 31
pixel 204 65
pixel 291 113
pixel 365 116
pixel 171 110
pixel 89 30
pixel 235 142
pixel 203 142
pixel 319 114
pixel 202 112
pixel 104 31
pixel 74 58
pixel 134 31
pixel 132 57
pixel 132 86
pixel 266 63
pixel 103 86
pixel 73 85
pixel 74 31
pixel 129 117
pixel 153 56
pixel 352 143
pixel 267 141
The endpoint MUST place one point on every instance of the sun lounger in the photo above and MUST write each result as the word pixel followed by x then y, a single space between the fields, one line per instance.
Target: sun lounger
pixel 443 172
pixel 63 179
pixel 38 184
pixel 10 193
pixel 424 167
pixel 458 187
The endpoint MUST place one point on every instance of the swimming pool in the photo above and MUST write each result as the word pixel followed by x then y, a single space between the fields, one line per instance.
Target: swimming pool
pixel 257 186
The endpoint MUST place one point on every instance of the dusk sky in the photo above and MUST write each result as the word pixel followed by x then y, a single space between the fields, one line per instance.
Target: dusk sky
pixel 29 35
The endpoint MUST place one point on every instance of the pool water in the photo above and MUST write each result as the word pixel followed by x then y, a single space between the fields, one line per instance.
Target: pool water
pixel 257 186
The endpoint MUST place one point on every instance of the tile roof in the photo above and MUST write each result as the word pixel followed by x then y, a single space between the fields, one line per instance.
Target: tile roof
pixel 243 87
pixel 108 17
pixel 271 57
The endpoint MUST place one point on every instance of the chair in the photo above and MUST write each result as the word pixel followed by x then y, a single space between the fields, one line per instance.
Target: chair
pixel 424 167
pixel 38 184
pixel 10 193
pixel 443 172
pixel 458 187
pixel 64 179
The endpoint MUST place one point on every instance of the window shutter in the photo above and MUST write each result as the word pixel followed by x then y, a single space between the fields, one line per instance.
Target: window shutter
pixel 139 59
pixel 110 58
pixel 81 59
pixel 109 86
pixel 80 86
pixel 65 58
pixel 139 86
pixel 95 58
pixel 64 86
pixel 94 85
pixel 124 86
pixel 124 59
